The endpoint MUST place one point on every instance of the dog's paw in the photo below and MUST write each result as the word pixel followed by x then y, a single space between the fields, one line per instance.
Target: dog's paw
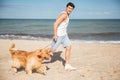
pixel 14 70
pixel 44 73
pixel 28 72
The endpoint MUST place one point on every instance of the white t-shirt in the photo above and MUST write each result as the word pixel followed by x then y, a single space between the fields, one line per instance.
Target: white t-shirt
pixel 62 28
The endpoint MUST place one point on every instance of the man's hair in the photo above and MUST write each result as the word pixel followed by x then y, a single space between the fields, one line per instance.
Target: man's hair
pixel 70 4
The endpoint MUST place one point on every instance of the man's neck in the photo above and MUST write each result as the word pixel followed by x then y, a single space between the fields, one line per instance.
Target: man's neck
pixel 67 13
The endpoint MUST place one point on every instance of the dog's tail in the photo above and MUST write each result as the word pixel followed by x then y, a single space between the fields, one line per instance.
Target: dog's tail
pixel 12 48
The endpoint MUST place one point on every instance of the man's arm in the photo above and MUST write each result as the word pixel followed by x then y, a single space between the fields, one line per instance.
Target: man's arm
pixel 60 19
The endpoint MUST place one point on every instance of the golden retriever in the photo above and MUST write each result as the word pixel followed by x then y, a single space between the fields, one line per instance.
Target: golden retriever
pixel 29 60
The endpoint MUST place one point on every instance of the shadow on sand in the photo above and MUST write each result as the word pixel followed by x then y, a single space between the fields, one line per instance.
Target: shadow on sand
pixel 56 57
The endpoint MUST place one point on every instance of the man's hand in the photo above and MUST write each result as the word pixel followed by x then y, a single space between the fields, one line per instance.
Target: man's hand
pixel 55 38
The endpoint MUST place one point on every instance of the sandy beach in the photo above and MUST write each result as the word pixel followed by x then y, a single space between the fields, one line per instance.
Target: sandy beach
pixel 94 61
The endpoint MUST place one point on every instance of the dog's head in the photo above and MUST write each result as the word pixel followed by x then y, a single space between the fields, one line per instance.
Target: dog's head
pixel 44 54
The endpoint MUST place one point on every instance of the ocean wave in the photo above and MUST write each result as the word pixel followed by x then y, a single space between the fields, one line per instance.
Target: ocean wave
pixel 87 38
pixel 95 41
pixel 96 36
pixel 25 37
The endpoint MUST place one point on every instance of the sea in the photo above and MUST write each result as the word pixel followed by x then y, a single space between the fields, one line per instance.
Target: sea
pixel 89 30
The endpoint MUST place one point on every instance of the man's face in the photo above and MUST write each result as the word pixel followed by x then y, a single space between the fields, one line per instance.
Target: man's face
pixel 69 9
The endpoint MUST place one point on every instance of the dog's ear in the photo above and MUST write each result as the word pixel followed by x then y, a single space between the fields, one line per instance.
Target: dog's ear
pixel 39 56
pixel 40 50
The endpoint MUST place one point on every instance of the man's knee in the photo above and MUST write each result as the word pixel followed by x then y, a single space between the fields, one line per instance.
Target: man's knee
pixel 68 48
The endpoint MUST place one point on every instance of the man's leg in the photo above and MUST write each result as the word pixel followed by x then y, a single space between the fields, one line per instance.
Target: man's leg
pixel 67 59
pixel 55 44
pixel 67 54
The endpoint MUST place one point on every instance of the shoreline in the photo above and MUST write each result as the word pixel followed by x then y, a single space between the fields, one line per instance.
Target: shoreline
pixel 94 61
pixel 73 36
pixel 73 41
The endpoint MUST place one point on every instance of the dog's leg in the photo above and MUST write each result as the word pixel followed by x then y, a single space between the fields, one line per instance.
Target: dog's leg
pixel 14 69
pixel 42 69
pixel 15 65
pixel 28 69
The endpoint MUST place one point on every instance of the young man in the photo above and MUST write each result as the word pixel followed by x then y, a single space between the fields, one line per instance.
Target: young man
pixel 60 34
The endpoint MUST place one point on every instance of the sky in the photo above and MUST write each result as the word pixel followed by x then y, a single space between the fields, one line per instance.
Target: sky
pixel 50 9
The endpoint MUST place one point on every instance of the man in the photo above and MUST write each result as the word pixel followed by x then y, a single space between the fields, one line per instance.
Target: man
pixel 60 34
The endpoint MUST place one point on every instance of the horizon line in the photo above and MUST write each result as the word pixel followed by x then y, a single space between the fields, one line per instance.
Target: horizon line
pixel 55 18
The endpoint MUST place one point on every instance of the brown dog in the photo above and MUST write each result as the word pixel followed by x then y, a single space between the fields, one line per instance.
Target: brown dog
pixel 29 60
